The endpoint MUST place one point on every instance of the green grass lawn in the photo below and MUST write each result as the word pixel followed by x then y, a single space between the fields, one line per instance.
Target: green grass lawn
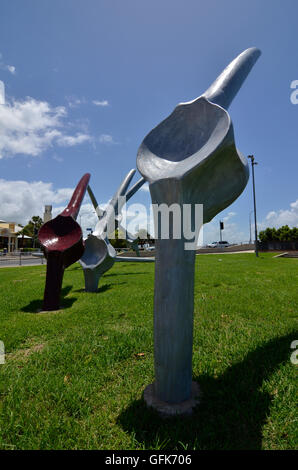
pixel 74 379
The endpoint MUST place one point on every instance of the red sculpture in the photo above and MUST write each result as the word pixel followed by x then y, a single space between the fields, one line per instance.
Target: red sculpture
pixel 62 242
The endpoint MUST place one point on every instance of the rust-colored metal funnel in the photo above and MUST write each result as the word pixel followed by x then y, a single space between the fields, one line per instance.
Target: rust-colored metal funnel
pixel 62 242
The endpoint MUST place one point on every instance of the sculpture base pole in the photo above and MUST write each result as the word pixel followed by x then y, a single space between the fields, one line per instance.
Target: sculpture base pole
pixel 93 275
pixel 92 279
pixel 168 409
pixel 173 321
pixel 55 271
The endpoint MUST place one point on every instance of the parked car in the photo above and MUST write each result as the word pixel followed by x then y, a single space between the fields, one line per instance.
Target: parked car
pixel 218 244
pixel 223 244
pixel 150 248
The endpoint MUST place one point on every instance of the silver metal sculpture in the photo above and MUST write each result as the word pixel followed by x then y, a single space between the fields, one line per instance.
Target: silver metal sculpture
pixel 129 238
pixel 189 158
pixel 99 255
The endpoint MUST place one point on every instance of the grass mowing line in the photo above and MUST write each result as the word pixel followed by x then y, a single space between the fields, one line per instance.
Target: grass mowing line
pixel 84 389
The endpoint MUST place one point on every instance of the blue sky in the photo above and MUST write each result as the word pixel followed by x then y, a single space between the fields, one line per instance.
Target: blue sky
pixel 86 80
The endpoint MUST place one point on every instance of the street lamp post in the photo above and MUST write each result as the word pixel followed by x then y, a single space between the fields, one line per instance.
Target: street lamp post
pixel 253 163
pixel 250 227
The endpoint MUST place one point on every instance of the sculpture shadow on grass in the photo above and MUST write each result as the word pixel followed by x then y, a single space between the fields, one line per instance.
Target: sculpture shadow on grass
pixel 232 411
pixel 36 305
pixel 102 288
pixel 129 273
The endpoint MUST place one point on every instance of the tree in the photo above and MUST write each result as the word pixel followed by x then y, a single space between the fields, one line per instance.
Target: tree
pixel 142 234
pixel 295 234
pixel 117 239
pixel 284 233
pixel 144 237
pixel 268 234
pixel 32 228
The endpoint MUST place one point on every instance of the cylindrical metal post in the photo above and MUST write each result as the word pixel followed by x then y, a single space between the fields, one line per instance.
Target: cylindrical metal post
pixel 253 163
pixel 54 277
pixel 250 226
pixel 173 320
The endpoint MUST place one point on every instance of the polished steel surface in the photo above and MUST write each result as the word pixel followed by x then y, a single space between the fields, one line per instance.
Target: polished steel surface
pixel 190 158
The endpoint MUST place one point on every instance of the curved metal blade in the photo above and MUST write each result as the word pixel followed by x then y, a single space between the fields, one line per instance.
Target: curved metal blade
pixel 135 188
pixel 98 210
pixel 74 204
pixel 226 86
pixel 121 190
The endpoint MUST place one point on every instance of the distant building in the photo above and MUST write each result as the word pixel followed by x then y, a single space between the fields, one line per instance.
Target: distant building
pixel 47 213
pixel 8 236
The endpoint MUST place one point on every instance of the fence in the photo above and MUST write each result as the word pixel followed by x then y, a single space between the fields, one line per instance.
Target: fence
pixel 19 258
pixel 278 246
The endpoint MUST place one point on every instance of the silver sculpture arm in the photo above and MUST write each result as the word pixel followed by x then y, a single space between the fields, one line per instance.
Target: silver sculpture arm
pixel 100 255
pixel 115 201
pixel 100 212
pixel 135 188
pixel 115 206
pixel 228 83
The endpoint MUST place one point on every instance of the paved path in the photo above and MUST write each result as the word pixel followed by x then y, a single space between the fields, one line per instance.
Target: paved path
pixel 227 252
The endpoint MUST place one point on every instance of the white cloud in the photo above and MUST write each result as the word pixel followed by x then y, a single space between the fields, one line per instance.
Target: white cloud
pixel 11 69
pixel 7 68
pixel 136 216
pixel 145 188
pixel 231 233
pixel 100 103
pixel 281 217
pixel 20 200
pixel 57 158
pixel 30 126
pixel 2 93
pixel 229 216
pixel 71 140
pixel 87 217
pixel 106 139
pixel 74 102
